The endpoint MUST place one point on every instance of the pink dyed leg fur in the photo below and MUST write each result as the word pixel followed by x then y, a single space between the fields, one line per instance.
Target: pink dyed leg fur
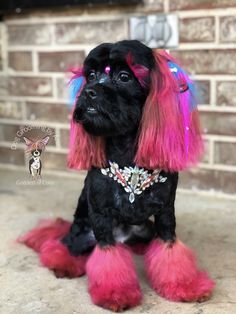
pixel 173 272
pixel 113 282
pixel 45 239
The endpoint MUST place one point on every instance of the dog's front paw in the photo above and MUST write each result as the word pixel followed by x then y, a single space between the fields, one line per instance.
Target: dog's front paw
pixel 173 272
pixel 55 256
pixel 113 282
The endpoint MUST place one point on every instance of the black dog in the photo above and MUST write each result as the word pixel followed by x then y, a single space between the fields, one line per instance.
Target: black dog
pixel 134 126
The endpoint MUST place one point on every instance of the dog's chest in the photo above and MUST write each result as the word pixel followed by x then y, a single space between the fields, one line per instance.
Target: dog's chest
pixel 109 195
pixel 35 163
pixel 134 180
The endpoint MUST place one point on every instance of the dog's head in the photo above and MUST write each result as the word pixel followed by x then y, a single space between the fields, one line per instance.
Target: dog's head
pixel 128 88
pixel 113 96
pixel 35 147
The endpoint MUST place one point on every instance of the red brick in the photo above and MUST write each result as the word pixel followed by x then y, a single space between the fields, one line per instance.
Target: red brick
pixel 224 153
pixel 197 29
pixel 206 156
pixel 60 61
pixel 200 4
pixel 203 91
pixel 4 86
pixel 63 89
pixel 153 5
pixel 64 136
pixel 11 109
pixel 91 32
pixel 8 132
pixel 12 156
pixel 207 61
pixel 226 93
pixel 219 123
pixel 204 179
pixel 47 112
pixel 30 86
pixel 1 61
pixel 20 61
pixel 29 34
pixel 54 161
pixel 228 29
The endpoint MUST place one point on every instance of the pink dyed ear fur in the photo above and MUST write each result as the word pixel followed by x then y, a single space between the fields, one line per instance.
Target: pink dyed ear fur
pixel 140 71
pixel 170 137
pixel 84 150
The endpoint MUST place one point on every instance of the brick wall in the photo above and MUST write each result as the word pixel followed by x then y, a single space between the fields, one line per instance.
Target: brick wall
pixel 36 48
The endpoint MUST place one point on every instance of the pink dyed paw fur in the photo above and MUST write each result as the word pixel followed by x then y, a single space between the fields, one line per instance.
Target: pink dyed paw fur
pixel 55 256
pixel 113 282
pixel 173 272
pixel 45 239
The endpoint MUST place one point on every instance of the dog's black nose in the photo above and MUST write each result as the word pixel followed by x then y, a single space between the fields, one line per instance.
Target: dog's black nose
pixel 91 93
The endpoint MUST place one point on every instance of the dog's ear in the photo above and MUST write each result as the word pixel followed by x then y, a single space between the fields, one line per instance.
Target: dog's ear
pixel 169 137
pixel 28 142
pixel 45 140
pixel 84 150
pixel 75 84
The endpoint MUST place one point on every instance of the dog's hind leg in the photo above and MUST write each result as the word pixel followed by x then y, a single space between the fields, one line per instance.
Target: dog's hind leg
pixel 113 283
pixel 58 245
pixel 171 266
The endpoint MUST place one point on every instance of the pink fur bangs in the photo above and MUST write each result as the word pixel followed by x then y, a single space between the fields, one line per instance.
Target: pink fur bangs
pixel 170 137
pixel 139 71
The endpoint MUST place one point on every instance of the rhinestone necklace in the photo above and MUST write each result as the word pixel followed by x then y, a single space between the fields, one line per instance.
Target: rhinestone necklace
pixel 133 179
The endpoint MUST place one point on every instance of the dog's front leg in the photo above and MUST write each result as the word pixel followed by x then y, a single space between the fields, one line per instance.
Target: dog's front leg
pixel 112 278
pixel 171 266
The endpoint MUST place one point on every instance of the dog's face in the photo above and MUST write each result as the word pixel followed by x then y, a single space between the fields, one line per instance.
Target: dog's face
pixel 36 152
pixel 35 147
pixel 112 98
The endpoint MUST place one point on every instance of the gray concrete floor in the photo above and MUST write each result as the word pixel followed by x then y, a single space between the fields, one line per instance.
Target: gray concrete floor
pixel 206 224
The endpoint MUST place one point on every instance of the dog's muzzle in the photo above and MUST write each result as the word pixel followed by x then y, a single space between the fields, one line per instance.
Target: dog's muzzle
pixel 36 153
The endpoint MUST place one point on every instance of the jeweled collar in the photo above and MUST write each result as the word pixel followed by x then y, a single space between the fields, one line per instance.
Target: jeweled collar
pixel 133 179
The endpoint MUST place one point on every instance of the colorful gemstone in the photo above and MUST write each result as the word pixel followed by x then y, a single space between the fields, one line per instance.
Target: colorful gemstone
pixel 107 69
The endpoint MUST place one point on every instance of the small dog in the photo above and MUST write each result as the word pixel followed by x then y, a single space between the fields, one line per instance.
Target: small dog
pixel 134 127
pixel 35 148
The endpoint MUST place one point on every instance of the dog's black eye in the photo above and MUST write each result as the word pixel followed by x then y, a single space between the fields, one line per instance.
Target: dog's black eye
pixel 124 77
pixel 92 76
